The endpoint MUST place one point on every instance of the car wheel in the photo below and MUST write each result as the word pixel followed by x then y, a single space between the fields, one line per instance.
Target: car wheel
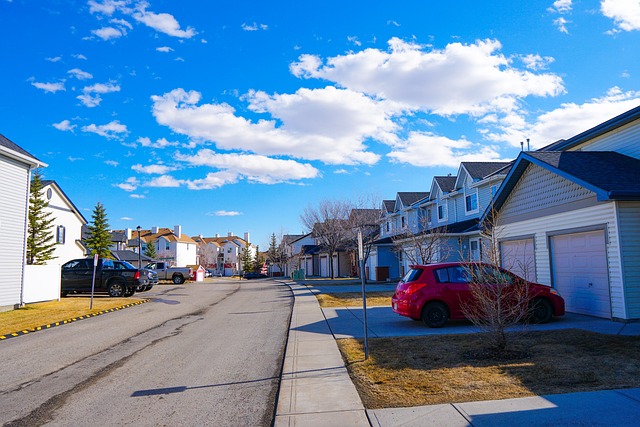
pixel 540 311
pixel 116 289
pixel 178 279
pixel 129 292
pixel 64 293
pixel 435 314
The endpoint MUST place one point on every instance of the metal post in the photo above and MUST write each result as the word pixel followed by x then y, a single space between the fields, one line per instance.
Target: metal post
pixel 139 248
pixel 364 296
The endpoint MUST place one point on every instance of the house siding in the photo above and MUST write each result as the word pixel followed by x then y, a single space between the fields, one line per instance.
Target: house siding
pixel 540 192
pixel 602 216
pixel 629 220
pixel 624 140
pixel 65 216
pixel 14 177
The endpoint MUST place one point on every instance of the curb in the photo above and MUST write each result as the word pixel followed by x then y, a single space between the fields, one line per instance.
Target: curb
pixel 73 319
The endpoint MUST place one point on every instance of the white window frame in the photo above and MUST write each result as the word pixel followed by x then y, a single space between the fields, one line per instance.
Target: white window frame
pixel 470 193
pixel 479 250
pixel 445 211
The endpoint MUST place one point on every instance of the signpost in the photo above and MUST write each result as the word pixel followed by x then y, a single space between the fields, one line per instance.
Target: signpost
pixel 93 280
pixel 364 295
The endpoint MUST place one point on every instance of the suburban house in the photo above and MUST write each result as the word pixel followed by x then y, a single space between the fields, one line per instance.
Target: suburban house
pixel 568 216
pixel 67 227
pixel 293 247
pixel 16 165
pixel 439 225
pixel 172 246
pixel 224 254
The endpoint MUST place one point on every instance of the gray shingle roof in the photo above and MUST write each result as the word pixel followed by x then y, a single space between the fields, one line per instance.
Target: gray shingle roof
pixel 5 142
pixel 390 205
pixel 480 170
pixel 614 173
pixel 409 198
pixel 446 183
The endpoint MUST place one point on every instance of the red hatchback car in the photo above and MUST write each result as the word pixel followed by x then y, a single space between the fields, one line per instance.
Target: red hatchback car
pixel 435 293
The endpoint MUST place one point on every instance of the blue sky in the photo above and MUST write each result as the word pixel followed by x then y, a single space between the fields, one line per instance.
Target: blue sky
pixel 235 116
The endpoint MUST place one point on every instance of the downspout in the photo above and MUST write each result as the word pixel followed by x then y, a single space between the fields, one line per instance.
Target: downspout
pixel 26 231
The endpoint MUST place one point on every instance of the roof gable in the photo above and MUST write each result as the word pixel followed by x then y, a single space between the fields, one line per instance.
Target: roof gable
pixel 12 149
pixel 478 171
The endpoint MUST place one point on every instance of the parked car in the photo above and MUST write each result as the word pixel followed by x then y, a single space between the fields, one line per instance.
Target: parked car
pixel 145 284
pixel 435 293
pixel 113 277
pixel 254 275
pixel 176 274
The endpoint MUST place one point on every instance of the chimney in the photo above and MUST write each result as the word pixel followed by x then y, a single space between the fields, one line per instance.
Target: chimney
pixel 177 230
pixel 246 236
pixel 217 234
pixel 128 233
pixel 154 229
pixel 229 234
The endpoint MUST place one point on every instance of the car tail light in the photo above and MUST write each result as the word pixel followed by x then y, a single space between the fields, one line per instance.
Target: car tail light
pixel 137 275
pixel 414 287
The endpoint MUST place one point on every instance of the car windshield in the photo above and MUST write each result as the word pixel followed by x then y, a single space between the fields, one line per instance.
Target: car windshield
pixel 126 265
pixel 412 275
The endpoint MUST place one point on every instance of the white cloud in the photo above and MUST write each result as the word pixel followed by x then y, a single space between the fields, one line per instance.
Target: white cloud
pixel 54 59
pixel 64 126
pixel 130 185
pixel 327 124
pixel 225 213
pixel 75 159
pixel 536 62
pixel 91 94
pixel 255 168
pixel 165 49
pixel 427 149
pixel 162 22
pixel 561 6
pixel 121 23
pixel 566 121
pixel 90 100
pixel 79 74
pixel 106 7
pixel 111 130
pixel 561 24
pixel 254 27
pixel 164 181
pixel 112 163
pixel 126 218
pixel 625 13
pixel 153 169
pixel 50 87
pixel 213 180
pixel 459 79
pixel 354 40
pixel 160 143
pixel 79 56
pixel 137 196
pixel 341 172
pixel 108 33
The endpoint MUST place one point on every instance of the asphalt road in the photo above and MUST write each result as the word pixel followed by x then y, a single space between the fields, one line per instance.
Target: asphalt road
pixel 198 354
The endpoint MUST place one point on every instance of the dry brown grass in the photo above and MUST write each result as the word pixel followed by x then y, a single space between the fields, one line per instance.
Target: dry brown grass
pixel 415 371
pixel 43 313
pixel 354 299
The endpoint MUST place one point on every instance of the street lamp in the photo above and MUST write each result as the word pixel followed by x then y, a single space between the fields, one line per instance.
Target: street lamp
pixel 139 248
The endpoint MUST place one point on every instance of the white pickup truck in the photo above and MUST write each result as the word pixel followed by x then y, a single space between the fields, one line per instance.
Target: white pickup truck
pixel 176 274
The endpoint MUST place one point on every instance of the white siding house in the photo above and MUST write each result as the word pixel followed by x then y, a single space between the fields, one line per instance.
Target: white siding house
pixel 67 226
pixel 573 209
pixel 15 177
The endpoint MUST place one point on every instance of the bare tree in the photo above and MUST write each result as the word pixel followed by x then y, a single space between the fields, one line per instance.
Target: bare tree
pixel 365 217
pixel 422 245
pixel 499 300
pixel 329 225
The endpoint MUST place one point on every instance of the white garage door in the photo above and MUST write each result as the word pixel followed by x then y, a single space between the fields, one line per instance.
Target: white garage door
pixel 324 266
pixel 518 256
pixel 580 272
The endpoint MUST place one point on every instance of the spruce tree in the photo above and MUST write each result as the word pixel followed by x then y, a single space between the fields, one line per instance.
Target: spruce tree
pixel 40 242
pixel 150 250
pixel 99 238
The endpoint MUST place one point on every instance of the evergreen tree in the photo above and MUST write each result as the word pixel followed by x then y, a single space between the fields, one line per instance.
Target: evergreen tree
pixel 40 242
pixel 99 238
pixel 247 259
pixel 150 250
pixel 259 260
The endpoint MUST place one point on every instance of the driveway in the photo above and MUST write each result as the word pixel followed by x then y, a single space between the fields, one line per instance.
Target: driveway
pixel 348 322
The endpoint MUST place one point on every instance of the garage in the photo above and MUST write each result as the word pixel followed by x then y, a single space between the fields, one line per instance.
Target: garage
pixel 518 256
pixel 324 266
pixel 580 272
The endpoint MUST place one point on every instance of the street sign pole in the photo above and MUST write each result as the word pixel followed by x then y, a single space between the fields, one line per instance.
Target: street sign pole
pixel 364 295
pixel 93 280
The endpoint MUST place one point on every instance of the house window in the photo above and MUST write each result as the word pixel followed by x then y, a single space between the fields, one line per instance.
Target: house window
pixel 388 226
pixel 167 246
pixel 474 250
pixel 471 202
pixel 442 211
pixel 403 222
pixel 60 234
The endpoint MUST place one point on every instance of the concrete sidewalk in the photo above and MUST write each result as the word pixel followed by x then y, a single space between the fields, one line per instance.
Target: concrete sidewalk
pixel 316 389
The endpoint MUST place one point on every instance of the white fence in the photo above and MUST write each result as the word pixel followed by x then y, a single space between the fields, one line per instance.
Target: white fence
pixel 41 283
